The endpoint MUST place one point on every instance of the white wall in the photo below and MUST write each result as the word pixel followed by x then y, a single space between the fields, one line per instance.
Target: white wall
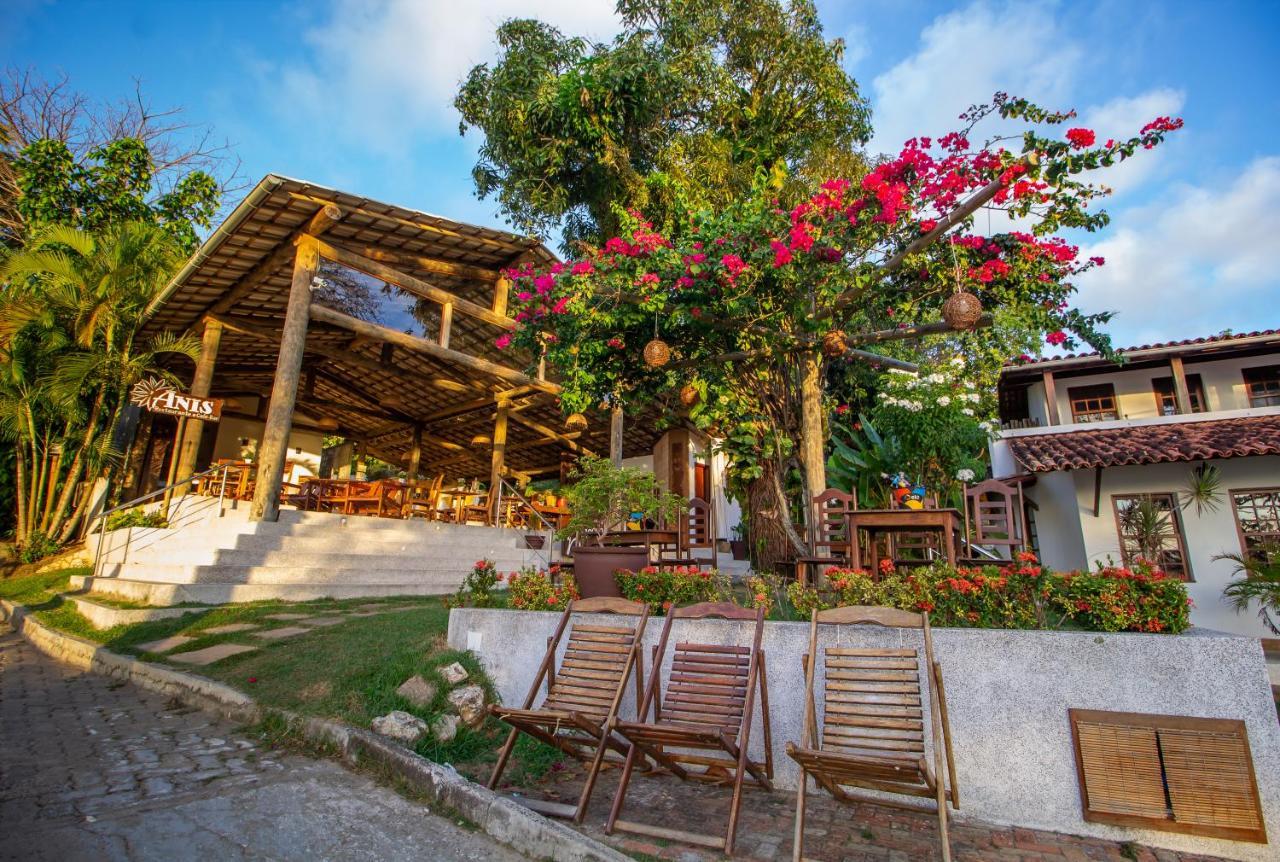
pixel 304 446
pixel 1072 538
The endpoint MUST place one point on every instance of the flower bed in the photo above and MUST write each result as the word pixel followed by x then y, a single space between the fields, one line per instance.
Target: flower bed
pixel 664 587
pixel 1017 595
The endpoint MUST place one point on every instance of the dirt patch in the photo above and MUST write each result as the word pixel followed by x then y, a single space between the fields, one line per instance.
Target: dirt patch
pixel 316 691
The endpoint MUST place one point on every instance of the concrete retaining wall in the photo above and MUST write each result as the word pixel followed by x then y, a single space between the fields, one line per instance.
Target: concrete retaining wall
pixel 1008 693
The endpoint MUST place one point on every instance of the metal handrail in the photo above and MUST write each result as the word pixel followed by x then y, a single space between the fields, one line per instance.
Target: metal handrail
pixel 504 484
pixel 100 520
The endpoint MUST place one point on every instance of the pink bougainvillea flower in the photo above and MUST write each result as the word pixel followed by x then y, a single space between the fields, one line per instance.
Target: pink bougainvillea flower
pixel 503 341
pixel 583 267
pixel 781 254
pixel 1081 138
pixel 1055 338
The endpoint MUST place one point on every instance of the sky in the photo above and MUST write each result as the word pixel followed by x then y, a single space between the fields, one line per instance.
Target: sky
pixel 357 94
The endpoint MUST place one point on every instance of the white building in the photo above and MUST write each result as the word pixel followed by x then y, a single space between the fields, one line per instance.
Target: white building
pixel 1091 438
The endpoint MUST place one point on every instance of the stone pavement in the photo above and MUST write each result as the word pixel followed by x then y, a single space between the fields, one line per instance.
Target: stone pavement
pixel 835 833
pixel 97 769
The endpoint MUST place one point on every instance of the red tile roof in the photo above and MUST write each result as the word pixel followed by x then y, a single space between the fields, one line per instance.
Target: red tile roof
pixel 1148 444
pixel 1159 345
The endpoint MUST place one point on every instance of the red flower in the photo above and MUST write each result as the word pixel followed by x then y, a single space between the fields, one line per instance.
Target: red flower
pixel 615 343
pixel 927 225
pixel 781 254
pixel 842 409
pixel 1081 138
pixel 1055 338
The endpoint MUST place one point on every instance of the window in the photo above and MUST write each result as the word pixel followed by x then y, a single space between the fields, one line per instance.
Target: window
pixel 1150 528
pixel 1263 386
pixel 1168 772
pixel 1093 403
pixel 1257 513
pixel 1167 400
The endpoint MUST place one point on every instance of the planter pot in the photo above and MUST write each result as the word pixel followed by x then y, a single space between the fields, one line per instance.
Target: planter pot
pixel 535 542
pixel 593 568
pixel 739 548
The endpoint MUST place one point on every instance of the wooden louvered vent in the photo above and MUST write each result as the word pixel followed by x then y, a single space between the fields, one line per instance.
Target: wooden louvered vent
pixel 1174 773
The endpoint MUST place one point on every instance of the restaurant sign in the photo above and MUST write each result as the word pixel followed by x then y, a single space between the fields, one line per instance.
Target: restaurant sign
pixel 159 397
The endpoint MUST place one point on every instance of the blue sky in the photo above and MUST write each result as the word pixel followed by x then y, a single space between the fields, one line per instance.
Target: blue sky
pixel 357 94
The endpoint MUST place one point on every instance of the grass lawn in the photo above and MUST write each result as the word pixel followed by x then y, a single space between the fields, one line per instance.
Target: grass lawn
pixel 349 670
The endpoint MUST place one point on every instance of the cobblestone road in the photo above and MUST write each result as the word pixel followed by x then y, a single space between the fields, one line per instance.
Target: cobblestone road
pixel 93 768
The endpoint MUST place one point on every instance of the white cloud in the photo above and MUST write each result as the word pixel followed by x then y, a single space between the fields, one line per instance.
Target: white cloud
pixel 1196 261
pixel 384 70
pixel 1122 117
pixel 966 56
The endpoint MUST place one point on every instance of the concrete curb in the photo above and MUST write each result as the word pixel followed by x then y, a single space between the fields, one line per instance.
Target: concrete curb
pixel 503 819
pixel 102 616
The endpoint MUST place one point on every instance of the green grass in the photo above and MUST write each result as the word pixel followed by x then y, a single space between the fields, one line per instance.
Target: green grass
pixel 32 590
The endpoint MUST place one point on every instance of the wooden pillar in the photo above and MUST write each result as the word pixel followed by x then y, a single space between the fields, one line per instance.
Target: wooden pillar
pixel 501 288
pixel 498 461
pixel 615 435
pixel 201 384
pixel 1051 399
pixel 415 453
pixel 362 454
pixel 812 440
pixel 284 390
pixel 1181 394
pixel 446 323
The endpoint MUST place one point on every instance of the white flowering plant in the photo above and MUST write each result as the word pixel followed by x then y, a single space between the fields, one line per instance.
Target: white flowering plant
pixel 934 417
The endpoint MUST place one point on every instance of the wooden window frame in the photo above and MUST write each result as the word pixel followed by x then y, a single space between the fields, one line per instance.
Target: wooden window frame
pixel 1179 533
pixel 1195 391
pixel 1172 723
pixel 1270 385
pixel 1078 393
pixel 1235 514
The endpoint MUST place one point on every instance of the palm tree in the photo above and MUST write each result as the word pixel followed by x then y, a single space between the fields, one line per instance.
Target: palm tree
pixel 70 315
pixel 1260 583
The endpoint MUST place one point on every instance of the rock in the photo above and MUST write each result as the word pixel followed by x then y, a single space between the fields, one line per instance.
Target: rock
pixel 444 728
pixel 417 691
pixel 469 702
pixel 400 726
pixel 454 673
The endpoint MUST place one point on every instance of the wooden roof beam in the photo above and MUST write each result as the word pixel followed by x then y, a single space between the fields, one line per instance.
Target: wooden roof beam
pixel 514 242
pixel 551 433
pixel 426 264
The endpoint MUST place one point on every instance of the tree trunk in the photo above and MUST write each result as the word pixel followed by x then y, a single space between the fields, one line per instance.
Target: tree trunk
pixel 774 539
pixel 57 524
pixel 52 486
pixel 813 442
pixel 20 489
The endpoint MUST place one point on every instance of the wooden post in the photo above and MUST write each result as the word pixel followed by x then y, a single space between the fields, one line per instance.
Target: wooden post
pixel 446 323
pixel 501 287
pixel 498 460
pixel 201 384
pixel 172 475
pixel 615 435
pixel 812 441
pixel 284 390
pixel 415 453
pixel 1181 394
pixel 1051 399
pixel 362 453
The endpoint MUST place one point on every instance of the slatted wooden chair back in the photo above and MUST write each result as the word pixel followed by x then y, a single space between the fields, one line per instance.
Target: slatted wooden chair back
pixel 993 514
pixel 709 684
pixel 592 672
pixel 695 525
pixel 831 529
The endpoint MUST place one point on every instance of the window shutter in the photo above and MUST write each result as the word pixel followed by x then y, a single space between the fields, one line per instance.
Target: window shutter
pixel 1121 769
pixel 1210 775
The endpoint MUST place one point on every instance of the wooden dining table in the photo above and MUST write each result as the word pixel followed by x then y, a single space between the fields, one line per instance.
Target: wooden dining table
pixel 557 516
pixel 948 523
pixel 648 538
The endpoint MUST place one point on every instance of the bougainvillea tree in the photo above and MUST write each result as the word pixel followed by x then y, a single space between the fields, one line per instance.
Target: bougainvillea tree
pixel 754 300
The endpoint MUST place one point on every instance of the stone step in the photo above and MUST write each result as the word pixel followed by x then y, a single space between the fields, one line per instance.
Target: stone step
pixel 217 594
pixel 406 559
pixel 445 578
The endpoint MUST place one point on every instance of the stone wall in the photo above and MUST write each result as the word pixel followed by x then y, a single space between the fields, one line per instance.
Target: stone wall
pixel 1008 693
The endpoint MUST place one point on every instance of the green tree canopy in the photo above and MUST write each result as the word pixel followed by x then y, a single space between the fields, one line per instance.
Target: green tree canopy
pixel 690 104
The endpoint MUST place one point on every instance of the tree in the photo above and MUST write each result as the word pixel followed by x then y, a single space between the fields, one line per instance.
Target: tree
pixel 683 110
pixel 65 159
pixel 70 314
pixel 757 299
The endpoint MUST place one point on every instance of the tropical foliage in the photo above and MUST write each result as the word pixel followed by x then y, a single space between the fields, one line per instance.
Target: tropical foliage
pixel 603 497
pixel 665 587
pixel 1257 582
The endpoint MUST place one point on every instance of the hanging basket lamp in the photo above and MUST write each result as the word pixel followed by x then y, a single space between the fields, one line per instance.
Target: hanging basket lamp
pixel 689 395
pixel 576 422
pixel 962 310
pixel 833 344
pixel 657 353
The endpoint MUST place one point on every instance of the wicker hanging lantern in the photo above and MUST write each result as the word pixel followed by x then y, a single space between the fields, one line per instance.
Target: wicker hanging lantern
pixel 689 395
pixel 576 422
pixel 962 310
pixel 657 353
pixel 833 344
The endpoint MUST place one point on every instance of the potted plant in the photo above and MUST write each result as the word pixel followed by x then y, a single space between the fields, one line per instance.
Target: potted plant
pixel 738 544
pixel 603 498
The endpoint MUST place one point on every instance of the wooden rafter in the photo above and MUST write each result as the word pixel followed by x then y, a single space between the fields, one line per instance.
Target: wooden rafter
pixel 418 225
pixel 426 264
pixel 551 433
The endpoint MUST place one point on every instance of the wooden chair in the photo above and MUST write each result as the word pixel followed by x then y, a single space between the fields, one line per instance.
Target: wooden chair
pixel 707 707
pixel 873 726
pixel 422 498
pixel 695 532
pixel 829 535
pixel 994 516
pixel 582 695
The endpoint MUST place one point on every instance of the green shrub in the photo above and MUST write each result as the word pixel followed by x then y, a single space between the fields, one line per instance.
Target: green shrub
pixel 664 587
pixel 532 589
pixel 477 590
pixel 37 547
pixel 136 517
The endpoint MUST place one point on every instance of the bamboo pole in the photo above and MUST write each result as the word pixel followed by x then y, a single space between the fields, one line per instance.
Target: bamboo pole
pixel 284 390
pixel 615 434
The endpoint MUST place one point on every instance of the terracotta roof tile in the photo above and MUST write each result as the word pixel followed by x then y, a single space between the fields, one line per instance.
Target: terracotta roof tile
pixel 1159 345
pixel 1148 444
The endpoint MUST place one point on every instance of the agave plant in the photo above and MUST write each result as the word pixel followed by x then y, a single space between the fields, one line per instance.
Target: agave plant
pixel 1204 489
pixel 861 459
pixel 1259 582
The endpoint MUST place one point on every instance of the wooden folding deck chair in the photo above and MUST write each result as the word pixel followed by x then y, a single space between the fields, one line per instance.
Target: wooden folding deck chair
pixel 705 714
pixel 583 695
pixel 873 735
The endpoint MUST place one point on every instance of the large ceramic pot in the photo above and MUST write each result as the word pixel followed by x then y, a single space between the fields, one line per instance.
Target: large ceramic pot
pixel 738 547
pixel 593 568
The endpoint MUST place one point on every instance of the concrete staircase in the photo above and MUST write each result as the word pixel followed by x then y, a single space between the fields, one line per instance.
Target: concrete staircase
pixel 210 556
